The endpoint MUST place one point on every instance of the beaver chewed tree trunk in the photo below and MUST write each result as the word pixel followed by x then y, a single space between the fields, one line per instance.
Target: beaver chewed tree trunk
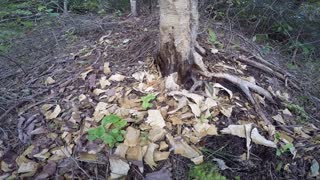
pixel 178 33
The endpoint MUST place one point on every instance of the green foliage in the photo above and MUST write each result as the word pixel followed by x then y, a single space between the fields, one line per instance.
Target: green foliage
pixel 146 101
pixel 212 38
pixel 298 111
pixel 110 130
pixel 284 148
pixel 205 171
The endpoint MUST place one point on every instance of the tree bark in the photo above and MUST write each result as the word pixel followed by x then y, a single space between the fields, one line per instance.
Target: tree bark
pixel 135 7
pixel 65 7
pixel 178 33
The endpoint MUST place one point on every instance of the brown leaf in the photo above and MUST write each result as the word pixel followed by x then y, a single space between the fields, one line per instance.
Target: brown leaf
pixel 118 167
pixel 132 137
pixel 106 68
pixel 156 134
pixel 117 77
pixel 148 158
pixel 47 170
pixel 53 114
pixel 160 156
pixel 121 150
pixel 155 119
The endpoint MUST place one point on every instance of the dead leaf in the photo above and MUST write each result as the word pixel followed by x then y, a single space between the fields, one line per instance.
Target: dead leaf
pixel 197 160
pixel 208 104
pixel 287 112
pixel 47 171
pixel 88 157
pixel 139 76
pixel 50 81
pixel 136 153
pixel 163 146
pixel 171 82
pixel 195 109
pixel 214 50
pixel 183 101
pixel 118 167
pixel 100 111
pixel 204 129
pixel 117 77
pixel 160 156
pixel 227 111
pixel 177 120
pixel 104 82
pixel 278 118
pixel 299 131
pixel 182 148
pixel 217 87
pixel 82 97
pixel 98 91
pixel 148 158
pixel 121 150
pixel 84 74
pixel 155 119
pixel 44 154
pixel 195 97
pixel 156 134
pixel 132 137
pixel 53 114
pixel 29 167
pixel 106 68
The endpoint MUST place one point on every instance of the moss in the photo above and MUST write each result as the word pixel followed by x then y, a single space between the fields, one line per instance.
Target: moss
pixel 205 171
pixel 298 111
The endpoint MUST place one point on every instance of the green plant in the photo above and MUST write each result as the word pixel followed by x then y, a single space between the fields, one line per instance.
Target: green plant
pixel 298 111
pixel 146 101
pixel 110 130
pixel 284 148
pixel 212 38
pixel 205 171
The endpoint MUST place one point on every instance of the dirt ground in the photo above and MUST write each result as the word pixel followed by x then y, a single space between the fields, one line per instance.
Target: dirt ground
pixel 67 47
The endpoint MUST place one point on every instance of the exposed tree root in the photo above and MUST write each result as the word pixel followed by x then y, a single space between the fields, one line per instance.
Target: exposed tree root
pixel 244 85
pixel 269 70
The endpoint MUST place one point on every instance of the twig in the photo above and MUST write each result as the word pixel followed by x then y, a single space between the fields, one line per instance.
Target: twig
pixel 15 62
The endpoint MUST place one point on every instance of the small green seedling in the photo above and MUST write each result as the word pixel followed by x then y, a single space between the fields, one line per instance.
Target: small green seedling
pixel 110 130
pixel 284 148
pixel 146 101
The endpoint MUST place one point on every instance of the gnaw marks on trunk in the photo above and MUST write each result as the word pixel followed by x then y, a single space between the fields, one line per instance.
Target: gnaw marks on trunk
pixel 178 33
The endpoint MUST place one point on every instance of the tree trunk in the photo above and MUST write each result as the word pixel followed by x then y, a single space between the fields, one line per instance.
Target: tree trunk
pixel 135 7
pixel 65 7
pixel 178 33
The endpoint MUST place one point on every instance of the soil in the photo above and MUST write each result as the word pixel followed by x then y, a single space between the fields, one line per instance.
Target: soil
pixel 55 51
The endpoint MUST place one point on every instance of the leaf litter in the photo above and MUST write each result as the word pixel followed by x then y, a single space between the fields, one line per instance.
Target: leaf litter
pixel 165 120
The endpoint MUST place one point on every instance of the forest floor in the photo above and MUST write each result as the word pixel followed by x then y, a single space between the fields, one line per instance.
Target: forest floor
pixel 60 79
